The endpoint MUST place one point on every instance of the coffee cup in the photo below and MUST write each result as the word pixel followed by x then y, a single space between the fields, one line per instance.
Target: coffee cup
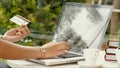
pixel 91 56
pixel 118 55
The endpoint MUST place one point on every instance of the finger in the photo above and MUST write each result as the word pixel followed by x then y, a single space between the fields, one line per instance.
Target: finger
pixel 61 52
pixel 65 46
pixel 22 26
pixel 18 34
pixel 14 30
pixel 18 29
pixel 64 43
pixel 23 31
pixel 27 30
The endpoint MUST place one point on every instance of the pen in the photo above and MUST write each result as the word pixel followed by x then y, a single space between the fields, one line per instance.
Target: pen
pixel 73 52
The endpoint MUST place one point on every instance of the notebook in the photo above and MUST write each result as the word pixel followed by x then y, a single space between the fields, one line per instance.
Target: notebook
pixel 82 26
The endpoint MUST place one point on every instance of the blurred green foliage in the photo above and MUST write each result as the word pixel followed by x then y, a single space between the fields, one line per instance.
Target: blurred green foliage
pixel 43 15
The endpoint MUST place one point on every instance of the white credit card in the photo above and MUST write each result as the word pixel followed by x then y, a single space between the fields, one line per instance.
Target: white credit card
pixel 19 20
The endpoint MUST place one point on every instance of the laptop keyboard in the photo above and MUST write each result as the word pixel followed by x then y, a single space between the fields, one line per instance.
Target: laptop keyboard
pixel 69 55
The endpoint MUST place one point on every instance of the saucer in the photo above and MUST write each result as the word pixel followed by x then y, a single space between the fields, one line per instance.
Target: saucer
pixel 83 64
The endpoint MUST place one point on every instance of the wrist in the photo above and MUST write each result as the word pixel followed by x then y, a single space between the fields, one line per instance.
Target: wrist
pixel 42 52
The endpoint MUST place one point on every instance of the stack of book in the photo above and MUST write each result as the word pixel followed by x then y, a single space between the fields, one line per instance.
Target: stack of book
pixel 110 50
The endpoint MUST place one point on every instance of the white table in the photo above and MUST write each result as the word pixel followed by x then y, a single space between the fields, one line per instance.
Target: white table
pixel 28 64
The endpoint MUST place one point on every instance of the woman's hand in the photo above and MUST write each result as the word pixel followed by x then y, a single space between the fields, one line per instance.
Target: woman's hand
pixel 55 48
pixel 16 34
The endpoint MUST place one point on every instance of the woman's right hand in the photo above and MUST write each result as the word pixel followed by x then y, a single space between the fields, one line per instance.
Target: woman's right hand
pixel 55 48
pixel 16 34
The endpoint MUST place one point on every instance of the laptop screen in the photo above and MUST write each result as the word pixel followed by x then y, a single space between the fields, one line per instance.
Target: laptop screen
pixel 80 24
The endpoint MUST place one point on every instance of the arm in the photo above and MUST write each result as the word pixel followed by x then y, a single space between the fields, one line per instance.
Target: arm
pixel 11 50
pixel 14 51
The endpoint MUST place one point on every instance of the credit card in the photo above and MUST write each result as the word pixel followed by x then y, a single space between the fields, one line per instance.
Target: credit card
pixel 19 20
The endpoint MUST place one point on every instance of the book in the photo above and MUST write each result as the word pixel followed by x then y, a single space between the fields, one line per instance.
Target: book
pixel 19 20
pixel 113 43
pixel 110 57
pixel 110 50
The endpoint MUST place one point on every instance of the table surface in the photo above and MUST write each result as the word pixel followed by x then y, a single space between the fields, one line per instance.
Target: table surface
pixel 28 64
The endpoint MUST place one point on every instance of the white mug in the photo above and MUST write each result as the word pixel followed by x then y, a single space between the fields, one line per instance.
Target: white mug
pixel 118 55
pixel 91 56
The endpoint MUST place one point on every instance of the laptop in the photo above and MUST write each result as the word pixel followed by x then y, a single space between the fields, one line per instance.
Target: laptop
pixel 82 26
